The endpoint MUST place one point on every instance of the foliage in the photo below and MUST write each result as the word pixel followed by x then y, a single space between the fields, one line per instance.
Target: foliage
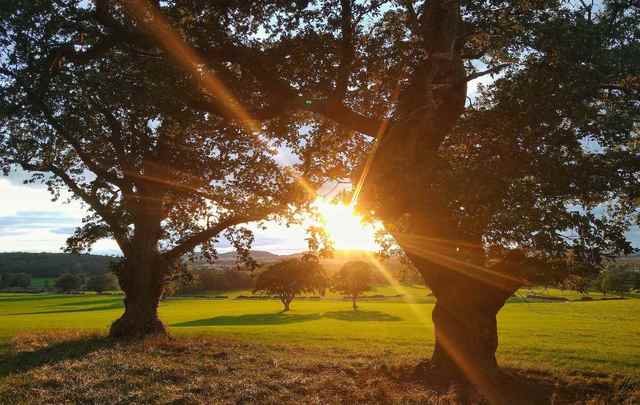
pixel 69 282
pixel 102 282
pixel 15 280
pixel 619 277
pixel 292 277
pixel 220 280
pixel 353 279
pixel 53 264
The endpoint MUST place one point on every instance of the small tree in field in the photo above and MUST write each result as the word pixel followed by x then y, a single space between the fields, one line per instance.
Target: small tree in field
pixel 292 277
pixel 353 279
pixel 68 282
pixel 102 282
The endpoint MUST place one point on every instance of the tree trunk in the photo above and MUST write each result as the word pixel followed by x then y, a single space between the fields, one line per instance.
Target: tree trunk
pixel 353 301
pixel 142 278
pixel 142 283
pixel 469 295
pixel 286 302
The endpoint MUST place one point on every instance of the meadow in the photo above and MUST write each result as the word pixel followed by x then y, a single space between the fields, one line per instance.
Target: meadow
pixel 560 337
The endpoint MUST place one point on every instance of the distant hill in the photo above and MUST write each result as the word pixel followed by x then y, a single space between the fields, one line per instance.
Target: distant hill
pixel 53 264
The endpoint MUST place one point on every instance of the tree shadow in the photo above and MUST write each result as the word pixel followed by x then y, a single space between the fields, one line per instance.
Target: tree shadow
pixel 115 305
pixel 92 302
pixel 250 319
pixel 34 297
pixel 361 316
pixel 15 362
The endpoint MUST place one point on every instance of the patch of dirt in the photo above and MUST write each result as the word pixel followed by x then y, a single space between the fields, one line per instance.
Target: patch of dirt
pixel 90 369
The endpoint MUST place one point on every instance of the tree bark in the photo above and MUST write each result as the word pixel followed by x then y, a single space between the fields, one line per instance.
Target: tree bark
pixel 142 278
pixel 469 295
pixel 142 285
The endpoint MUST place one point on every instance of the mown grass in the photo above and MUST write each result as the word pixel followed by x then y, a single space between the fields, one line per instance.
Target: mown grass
pixel 595 337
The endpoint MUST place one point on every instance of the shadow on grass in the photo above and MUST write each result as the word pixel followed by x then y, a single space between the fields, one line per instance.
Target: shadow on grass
pixel 17 362
pixel 361 316
pixel 36 297
pixel 114 305
pixel 250 319
pixel 91 302
pixel 281 318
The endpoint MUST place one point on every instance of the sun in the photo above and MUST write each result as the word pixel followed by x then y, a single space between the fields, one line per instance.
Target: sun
pixel 345 228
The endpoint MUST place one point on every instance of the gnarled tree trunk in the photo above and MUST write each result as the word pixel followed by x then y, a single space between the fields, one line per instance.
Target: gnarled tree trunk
pixel 142 278
pixel 469 295
pixel 142 285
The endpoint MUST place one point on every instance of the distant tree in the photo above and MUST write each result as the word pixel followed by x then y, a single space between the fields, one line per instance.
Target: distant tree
pixel 618 277
pixel 353 279
pixel 22 280
pixel 68 282
pixel 577 283
pixel 46 284
pixel 102 282
pixel 289 278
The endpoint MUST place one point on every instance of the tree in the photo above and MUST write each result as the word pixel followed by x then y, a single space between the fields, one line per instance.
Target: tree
pixel 353 279
pixel 618 277
pixel 68 282
pixel 22 280
pixel 102 282
pixel 85 115
pixel 377 92
pixel 292 277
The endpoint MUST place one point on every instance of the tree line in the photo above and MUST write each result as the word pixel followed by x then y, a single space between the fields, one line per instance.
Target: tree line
pixel 54 264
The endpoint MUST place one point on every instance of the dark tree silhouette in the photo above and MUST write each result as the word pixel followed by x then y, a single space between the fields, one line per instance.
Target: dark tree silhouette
pixel 102 282
pixel 377 91
pixel 292 277
pixel 352 280
pixel 68 282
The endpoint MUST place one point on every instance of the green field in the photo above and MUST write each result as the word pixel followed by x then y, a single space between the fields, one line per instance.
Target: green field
pixel 597 336
pixel 40 282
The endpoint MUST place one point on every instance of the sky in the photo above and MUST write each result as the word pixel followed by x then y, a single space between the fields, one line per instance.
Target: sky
pixel 31 222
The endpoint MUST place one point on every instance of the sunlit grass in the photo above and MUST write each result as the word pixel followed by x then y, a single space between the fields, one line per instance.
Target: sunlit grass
pixel 589 336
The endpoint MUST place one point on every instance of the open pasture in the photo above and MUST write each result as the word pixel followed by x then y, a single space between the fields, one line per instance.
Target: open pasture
pixel 597 336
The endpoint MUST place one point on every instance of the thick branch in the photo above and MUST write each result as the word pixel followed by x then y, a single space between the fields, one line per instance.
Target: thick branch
pixel 201 237
pixel 489 71
pixel 346 49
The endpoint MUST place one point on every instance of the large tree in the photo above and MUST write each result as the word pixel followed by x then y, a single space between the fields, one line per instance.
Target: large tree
pixel 377 91
pixel 88 117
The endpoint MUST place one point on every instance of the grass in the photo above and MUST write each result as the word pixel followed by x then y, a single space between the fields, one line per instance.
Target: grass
pixel 53 350
pixel 593 337
pixel 72 367
pixel 41 282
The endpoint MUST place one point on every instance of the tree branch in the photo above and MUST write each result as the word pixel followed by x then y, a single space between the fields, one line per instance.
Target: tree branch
pixel 346 49
pixel 194 240
pixel 489 71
